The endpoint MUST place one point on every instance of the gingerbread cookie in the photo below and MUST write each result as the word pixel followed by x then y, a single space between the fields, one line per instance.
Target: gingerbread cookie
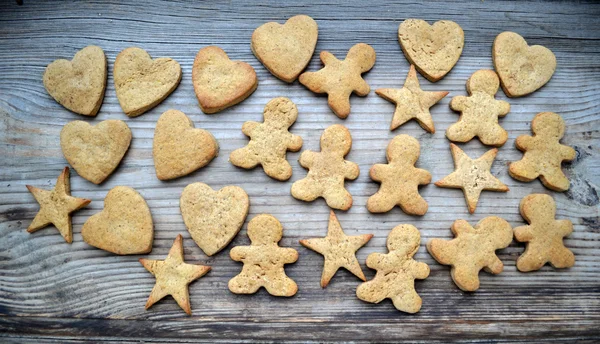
pixel 544 235
pixel 339 79
pixel 396 271
pixel 479 111
pixel 79 84
pixel 270 140
pixel 219 82
pixel 179 148
pixel 399 179
pixel 327 170
pixel 472 249
pixel 285 50
pixel 543 153
pixel 263 260
pixel 142 83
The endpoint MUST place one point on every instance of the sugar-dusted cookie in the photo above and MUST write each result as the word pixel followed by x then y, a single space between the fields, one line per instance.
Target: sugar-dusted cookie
pixel 396 271
pixel 399 179
pixel 179 148
pixel 173 275
pixel 56 206
pixel 124 226
pixel 79 84
pixel 264 260
pixel 544 235
pixel 472 176
pixel 339 79
pixel 285 50
pixel 95 151
pixel 219 82
pixel 142 83
pixel 472 249
pixel 543 153
pixel 270 140
pixel 523 69
pixel 433 49
pixel 213 218
pixel 327 170
pixel 338 249
pixel 479 111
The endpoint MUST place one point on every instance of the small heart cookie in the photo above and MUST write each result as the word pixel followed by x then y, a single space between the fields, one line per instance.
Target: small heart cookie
pixel 95 151
pixel 124 226
pixel 79 84
pixel 522 69
pixel 142 83
pixel 219 82
pixel 179 148
pixel 285 50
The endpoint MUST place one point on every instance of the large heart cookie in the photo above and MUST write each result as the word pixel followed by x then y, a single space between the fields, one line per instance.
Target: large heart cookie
pixel 522 69
pixel 285 50
pixel 124 226
pixel 433 49
pixel 78 84
pixel 219 82
pixel 213 218
pixel 141 82
pixel 179 148
pixel 95 151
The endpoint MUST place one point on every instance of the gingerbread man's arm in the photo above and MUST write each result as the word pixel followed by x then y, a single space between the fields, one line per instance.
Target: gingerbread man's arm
pixel 289 255
pixel 294 143
pixel 248 127
pixel 351 170
pixel 363 88
pixel 567 153
pixel 378 261
pixel 565 227
pixel 523 142
pixel 460 226
pixel 419 270
pixel 423 176
pixel 307 158
pixel 458 103
pixel 377 172
pixel 327 57
pixel 523 234
pixel 239 253
pixel 503 108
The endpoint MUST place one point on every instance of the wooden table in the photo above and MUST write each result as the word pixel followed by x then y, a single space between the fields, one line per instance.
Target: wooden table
pixel 51 291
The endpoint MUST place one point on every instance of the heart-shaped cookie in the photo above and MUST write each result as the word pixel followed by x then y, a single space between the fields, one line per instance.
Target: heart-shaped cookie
pixel 213 218
pixel 95 151
pixel 433 49
pixel 79 84
pixel 124 226
pixel 285 50
pixel 179 148
pixel 142 83
pixel 219 82
pixel 522 69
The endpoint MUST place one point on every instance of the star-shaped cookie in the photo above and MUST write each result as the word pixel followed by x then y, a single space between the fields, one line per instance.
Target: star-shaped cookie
pixel 411 102
pixel 338 249
pixel 56 206
pixel 472 176
pixel 173 276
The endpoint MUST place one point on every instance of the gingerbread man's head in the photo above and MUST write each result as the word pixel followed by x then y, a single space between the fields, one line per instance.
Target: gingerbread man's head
pixel 548 124
pixel 403 148
pixel 538 208
pixel 404 240
pixel 280 113
pixel 336 139
pixel 483 81
pixel 363 56
pixel 264 229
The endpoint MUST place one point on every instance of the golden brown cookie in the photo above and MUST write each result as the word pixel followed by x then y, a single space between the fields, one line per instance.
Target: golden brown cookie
pixel 270 140
pixel 95 151
pixel 339 79
pixel 543 153
pixel 338 249
pixel 472 176
pixel 472 249
pixel 479 111
pixel 219 82
pixel 522 69
pixel 79 84
pixel 544 235
pixel 124 226
pixel 327 170
pixel 263 260
pixel 179 148
pixel 399 179
pixel 396 271
pixel 142 83
pixel 56 206
pixel 433 49
pixel 285 50
pixel 213 218
pixel 173 276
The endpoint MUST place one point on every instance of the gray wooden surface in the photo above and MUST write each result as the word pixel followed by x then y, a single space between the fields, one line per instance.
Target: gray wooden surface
pixel 51 291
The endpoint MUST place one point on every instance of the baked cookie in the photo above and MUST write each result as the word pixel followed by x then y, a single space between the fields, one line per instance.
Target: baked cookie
pixel 339 79
pixel 270 140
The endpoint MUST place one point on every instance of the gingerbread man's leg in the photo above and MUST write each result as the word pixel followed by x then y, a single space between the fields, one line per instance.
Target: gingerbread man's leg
pixel 339 102
pixel 281 286
pixel 382 201
pixel 337 197
pixel 306 189
pixel 556 180
pixel 493 136
pixel 244 157
pixel 279 169
pixel 460 132
pixel 531 262
pixel 408 301
pixel 562 257
pixel 523 170
pixel 243 284
pixel 373 291
pixel 413 200
pixel 465 277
